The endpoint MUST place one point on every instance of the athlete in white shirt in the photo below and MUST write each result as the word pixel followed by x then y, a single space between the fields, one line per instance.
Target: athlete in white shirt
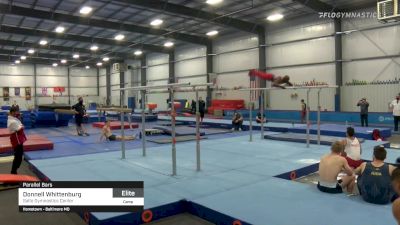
pixel 395 107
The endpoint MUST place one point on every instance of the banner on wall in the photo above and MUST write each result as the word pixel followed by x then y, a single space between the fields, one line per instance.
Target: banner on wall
pixel 6 93
pixel 44 91
pixel 17 91
pixel 28 95
pixel 59 90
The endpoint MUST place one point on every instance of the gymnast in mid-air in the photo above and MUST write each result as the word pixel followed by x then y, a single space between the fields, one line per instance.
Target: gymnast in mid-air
pixel 277 81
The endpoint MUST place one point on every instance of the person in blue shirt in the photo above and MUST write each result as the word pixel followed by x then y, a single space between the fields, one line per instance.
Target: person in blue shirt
pixel 374 181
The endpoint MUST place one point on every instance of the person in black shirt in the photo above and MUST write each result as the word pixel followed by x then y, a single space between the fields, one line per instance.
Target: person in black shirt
pixel 80 113
pixel 193 106
pixel 202 109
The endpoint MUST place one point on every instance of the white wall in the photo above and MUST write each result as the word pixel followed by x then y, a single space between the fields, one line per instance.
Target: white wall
pixel 370 43
pixel 287 59
pixel 235 57
pixel 378 96
pixel 16 76
pixel 191 66
pixel 83 83
pixel 157 74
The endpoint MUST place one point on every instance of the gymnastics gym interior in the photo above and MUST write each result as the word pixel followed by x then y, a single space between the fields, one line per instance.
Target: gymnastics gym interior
pixel 168 76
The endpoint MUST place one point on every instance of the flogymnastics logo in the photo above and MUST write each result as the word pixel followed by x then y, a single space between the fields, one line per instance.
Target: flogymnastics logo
pixel 383 119
pixel 347 15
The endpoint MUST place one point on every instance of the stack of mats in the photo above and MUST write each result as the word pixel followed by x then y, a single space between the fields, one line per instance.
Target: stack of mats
pixel 179 131
pixel 26 119
pixel 115 125
pixel 4 132
pixel 34 143
pixel 44 118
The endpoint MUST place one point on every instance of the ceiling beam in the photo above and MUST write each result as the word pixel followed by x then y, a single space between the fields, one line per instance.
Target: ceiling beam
pixel 54 57
pixel 80 38
pixel 60 17
pixel 316 5
pixel 165 6
pixel 64 49
pixel 36 60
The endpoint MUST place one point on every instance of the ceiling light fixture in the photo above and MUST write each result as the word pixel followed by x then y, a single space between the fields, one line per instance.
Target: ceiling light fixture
pixel 156 22
pixel 63 61
pixel 87 67
pixel 138 52
pixel 85 10
pixel 99 64
pixel 106 59
pixel 275 17
pixel 31 51
pixel 43 42
pixel 23 57
pixel 60 29
pixel 55 64
pixel 17 62
pixel 119 37
pixel 94 47
pixel 213 2
pixel 75 56
pixel 169 44
pixel 212 33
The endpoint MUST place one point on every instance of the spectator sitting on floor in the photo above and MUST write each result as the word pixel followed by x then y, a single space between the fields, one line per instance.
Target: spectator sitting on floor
pixel 374 178
pixel 237 121
pixel 352 149
pixel 107 135
pixel 259 119
pixel 376 135
pixel 395 177
pixel 329 168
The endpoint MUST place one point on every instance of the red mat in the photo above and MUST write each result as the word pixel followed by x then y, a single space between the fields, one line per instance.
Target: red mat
pixel 4 132
pixel 35 142
pixel 115 125
pixel 16 178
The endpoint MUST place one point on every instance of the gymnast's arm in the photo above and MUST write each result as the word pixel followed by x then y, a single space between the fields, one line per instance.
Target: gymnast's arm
pixel 103 135
pixel 396 210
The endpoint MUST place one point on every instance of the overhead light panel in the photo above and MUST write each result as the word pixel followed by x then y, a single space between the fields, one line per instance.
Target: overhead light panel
pixel 75 56
pixel 43 42
pixel 138 52
pixel 17 62
pixel 212 33
pixel 31 51
pixel 87 67
pixel 213 2
pixel 156 22
pixel 99 64
pixel 169 44
pixel 119 37
pixel 275 17
pixel 60 29
pixel 85 10
pixel 23 57
pixel 55 64
pixel 63 61
pixel 94 47
pixel 106 59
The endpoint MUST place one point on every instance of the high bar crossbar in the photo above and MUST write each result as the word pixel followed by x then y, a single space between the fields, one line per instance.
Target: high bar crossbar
pixel 201 85
pixel 286 88
pixel 141 88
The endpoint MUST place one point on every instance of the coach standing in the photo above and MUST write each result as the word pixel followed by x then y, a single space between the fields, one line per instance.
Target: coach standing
pixel 395 107
pixel 363 104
